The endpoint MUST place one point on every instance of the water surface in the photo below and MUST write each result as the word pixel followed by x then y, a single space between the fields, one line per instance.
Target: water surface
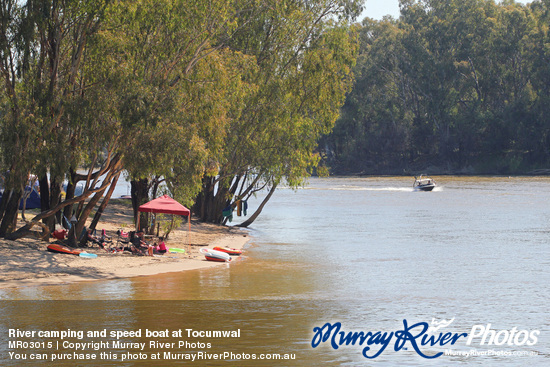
pixel 368 252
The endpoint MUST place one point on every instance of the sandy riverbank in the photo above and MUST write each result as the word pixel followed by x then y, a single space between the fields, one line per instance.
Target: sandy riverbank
pixel 27 262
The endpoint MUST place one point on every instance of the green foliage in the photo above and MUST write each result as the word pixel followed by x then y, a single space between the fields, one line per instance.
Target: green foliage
pixel 167 223
pixel 293 96
pixel 176 92
pixel 448 85
pixel 181 86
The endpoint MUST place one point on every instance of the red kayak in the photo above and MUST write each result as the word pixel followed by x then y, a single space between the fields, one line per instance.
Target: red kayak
pixel 210 258
pixel 60 249
pixel 227 250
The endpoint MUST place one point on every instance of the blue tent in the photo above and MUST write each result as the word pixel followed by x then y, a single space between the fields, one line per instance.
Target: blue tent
pixel 33 201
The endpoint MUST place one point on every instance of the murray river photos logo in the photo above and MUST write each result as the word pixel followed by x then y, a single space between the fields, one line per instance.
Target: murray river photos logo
pixel 419 336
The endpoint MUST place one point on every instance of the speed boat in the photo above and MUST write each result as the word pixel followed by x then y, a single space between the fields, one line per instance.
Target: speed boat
pixel 424 183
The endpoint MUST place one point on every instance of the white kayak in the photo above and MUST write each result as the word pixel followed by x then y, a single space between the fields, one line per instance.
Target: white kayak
pixel 214 255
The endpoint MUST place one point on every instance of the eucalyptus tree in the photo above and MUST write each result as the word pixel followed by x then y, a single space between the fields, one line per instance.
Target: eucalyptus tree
pixel 451 84
pixel 540 56
pixel 181 84
pixel 373 130
pixel 304 52
pixel 42 47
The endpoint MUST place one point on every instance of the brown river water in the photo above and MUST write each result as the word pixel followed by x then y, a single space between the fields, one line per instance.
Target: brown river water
pixel 368 253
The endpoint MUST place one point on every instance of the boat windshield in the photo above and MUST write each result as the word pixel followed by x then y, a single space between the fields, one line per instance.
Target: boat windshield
pixel 423 181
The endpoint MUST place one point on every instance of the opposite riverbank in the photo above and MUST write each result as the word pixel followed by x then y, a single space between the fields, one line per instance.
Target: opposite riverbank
pixel 26 262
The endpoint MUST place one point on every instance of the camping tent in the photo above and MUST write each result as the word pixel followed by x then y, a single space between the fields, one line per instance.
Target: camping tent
pixel 33 199
pixel 166 205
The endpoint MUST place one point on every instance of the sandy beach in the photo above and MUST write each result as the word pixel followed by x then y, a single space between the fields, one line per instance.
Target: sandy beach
pixel 27 262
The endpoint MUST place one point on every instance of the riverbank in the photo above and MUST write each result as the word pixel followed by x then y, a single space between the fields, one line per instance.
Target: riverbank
pixel 27 262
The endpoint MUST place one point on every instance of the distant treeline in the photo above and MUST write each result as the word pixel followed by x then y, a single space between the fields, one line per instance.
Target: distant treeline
pixel 452 86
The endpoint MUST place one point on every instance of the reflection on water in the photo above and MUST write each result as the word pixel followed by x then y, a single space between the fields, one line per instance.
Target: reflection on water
pixel 372 252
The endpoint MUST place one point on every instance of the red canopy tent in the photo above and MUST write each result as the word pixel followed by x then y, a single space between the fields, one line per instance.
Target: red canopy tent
pixel 166 205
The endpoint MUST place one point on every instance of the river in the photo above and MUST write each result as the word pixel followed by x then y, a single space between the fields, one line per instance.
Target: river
pixel 369 253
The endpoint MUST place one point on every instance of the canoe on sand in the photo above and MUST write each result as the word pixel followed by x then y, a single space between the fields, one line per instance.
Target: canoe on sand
pixel 228 250
pixel 61 249
pixel 213 255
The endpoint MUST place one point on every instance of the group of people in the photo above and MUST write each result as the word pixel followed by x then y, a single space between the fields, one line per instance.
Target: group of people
pixel 136 243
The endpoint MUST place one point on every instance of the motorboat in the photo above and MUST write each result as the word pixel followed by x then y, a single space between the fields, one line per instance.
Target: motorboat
pixel 424 183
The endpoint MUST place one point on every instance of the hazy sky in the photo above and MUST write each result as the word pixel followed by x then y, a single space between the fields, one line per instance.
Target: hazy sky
pixel 378 8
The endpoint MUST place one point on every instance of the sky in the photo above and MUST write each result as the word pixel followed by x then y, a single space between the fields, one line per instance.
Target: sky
pixel 378 8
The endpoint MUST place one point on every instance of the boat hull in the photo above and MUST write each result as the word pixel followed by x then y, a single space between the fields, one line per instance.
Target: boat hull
pixel 214 255
pixel 423 183
pixel 230 251
pixel 60 249
pixel 210 258
pixel 425 187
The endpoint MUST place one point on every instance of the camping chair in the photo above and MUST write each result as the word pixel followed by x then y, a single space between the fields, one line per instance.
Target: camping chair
pixel 105 237
pixel 123 238
pixel 90 237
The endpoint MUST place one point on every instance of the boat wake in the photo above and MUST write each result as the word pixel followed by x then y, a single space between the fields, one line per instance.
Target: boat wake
pixel 401 189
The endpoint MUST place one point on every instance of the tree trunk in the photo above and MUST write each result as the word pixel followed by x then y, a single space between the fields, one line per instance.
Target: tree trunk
pixel 24 231
pixel 50 192
pixel 10 215
pixel 55 196
pixel 4 202
pixel 253 217
pixel 156 183
pixel 44 196
pixel 140 195
pixel 106 199
pixel 209 206
pixel 110 178
pixel 69 194
pixel 204 199
pixel 86 213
